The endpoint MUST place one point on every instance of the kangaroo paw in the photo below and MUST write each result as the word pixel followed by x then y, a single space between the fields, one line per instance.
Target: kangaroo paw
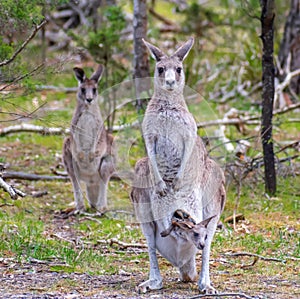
pixel 151 284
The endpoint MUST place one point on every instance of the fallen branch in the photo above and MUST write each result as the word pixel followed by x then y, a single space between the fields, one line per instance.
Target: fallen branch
pixel 272 259
pixel 250 120
pixel 124 245
pixel 6 205
pixel 37 194
pixel 33 128
pixel 240 295
pixel 12 191
pixel 25 127
pixel 233 121
pixel 32 176
pixel 39 177
pixel 62 238
pixel 56 88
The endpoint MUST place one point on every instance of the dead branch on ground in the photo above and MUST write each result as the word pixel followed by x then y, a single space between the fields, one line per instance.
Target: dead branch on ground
pixel 38 177
pixel 272 259
pixel 123 245
pixel 12 191
pixel 238 295
pixel 57 88
pixel 32 176
pixel 24 127
pixel 249 120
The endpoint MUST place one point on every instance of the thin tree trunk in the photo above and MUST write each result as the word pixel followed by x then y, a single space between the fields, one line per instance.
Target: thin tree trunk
pixel 141 62
pixel 267 21
pixel 290 43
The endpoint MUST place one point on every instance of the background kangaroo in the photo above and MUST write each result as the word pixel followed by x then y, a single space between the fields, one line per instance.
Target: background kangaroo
pixel 87 152
pixel 177 174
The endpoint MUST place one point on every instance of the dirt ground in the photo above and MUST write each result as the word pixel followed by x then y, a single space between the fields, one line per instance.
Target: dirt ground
pixel 34 280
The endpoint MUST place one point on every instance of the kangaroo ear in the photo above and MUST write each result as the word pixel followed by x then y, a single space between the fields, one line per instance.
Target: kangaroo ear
pixel 98 73
pixel 184 50
pixel 156 53
pixel 185 225
pixel 79 74
pixel 167 231
pixel 206 221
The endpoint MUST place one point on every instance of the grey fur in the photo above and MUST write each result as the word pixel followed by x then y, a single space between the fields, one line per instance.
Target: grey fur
pixel 88 151
pixel 177 174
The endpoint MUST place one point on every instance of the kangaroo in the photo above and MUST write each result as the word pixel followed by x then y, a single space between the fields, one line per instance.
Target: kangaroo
pixel 177 174
pixel 185 227
pixel 88 151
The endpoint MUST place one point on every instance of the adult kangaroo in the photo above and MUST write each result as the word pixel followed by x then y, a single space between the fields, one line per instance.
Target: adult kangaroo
pixel 178 174
pixel 88 151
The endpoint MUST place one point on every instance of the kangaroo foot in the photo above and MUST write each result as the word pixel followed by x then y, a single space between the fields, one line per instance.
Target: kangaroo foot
pixel 151 284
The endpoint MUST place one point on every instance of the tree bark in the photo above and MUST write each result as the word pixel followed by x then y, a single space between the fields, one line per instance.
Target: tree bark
pixel 290 44
pixel 141 62
pixel 268 72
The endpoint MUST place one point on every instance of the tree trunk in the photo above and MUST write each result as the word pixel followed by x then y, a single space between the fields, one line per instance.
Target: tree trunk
pixel 141 62
pixel 290 43
pixel 268 70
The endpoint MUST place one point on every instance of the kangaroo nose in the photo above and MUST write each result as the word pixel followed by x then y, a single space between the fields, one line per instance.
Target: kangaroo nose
pixel 200 246
pixel 89 100
pixel 170 82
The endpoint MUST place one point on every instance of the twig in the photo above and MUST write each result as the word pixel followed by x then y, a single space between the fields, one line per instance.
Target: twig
pixel 122 244
pixel 241 295
pixel 272 259
pixel 31 36
pixel 160 17
pixel 92 219
pixel 6 205
pixel 286 109
pixel 22 77
pixel 290 145
pixel 37 194
pixel 62 238
pixel 12 191
pixel 250 265
pixel 79 254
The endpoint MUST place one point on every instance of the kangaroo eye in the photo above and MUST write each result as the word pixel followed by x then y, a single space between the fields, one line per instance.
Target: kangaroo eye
pixel 94 90
pixel 178 70
pixel 83 90
pixel 205 237
pixel 160 70
pixel 196 235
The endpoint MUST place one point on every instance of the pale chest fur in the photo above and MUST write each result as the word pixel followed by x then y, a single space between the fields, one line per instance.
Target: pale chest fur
pixel 86 131
pixel 171 129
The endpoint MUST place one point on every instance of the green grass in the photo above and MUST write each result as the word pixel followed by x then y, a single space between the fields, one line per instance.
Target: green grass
pixel 30 227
